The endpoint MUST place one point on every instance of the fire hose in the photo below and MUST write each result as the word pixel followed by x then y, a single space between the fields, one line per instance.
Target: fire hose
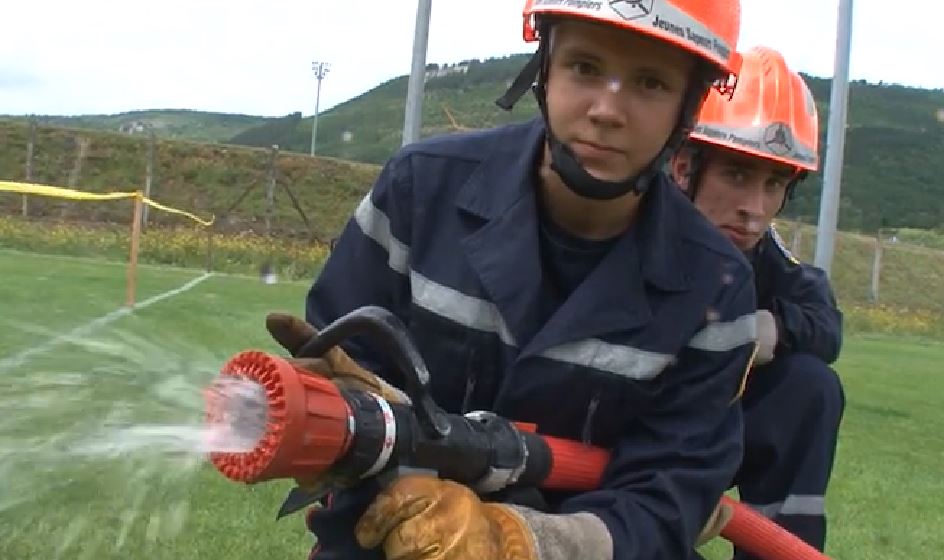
pixel 308 427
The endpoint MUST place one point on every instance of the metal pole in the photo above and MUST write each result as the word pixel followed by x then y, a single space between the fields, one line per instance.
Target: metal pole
pixel 413 119
pixel 835 142
pixel 321 69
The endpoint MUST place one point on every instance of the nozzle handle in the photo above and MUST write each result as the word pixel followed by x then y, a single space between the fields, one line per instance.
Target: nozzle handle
pixel 387 330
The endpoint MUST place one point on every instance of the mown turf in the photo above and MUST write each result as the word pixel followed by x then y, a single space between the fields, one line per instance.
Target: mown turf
pixel 76 484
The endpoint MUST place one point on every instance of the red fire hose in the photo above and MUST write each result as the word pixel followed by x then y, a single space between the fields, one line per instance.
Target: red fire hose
pixel 308 427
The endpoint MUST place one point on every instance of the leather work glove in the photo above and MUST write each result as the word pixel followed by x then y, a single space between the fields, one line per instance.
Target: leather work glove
pixel 420 517
pixel 718 519
pixel 292 333
pixel 767 337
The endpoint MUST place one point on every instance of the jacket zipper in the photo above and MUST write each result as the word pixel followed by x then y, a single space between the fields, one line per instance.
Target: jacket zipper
pixel 587 431
pixel 470 378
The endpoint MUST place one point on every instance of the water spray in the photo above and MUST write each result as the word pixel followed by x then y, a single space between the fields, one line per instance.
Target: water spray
pixel 296 424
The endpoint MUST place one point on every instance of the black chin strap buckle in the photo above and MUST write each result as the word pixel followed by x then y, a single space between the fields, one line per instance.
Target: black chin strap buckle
pixel 525 80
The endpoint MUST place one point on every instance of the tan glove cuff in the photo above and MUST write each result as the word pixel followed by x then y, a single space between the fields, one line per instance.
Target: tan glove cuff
pixel 552 536
pixel 716 523
pixel 348 373
pixel 767 337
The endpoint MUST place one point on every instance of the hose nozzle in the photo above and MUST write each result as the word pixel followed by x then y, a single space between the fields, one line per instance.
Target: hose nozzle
pixel 289 423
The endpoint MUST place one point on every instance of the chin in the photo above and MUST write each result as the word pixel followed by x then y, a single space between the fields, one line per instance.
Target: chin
pixel 749 245
pixel 607 174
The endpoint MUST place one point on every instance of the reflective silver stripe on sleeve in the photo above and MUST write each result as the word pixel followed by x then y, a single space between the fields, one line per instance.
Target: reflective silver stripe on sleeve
pixel 618 359
pixel 376 225
pixel 466 310
pixel 794 505
pixel 722 336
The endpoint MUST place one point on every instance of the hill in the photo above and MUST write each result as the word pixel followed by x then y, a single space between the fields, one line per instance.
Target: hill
pixel 176 124
pixel 312 196
pixel 892 174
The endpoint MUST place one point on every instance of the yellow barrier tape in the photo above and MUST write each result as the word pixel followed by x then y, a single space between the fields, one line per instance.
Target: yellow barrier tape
pixel 160 206
pixel 60 192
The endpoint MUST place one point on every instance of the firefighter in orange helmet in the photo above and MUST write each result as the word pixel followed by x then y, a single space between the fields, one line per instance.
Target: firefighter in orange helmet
pixel 742 163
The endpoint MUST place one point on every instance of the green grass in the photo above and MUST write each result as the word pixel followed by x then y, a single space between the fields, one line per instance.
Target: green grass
pixel 148 367
pixel 67 292
pixel 884 500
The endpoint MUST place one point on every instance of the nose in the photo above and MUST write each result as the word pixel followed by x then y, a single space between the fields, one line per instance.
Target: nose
pixel 751 205
pixel 606 108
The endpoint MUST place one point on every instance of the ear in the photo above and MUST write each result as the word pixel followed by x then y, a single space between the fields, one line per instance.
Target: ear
pixel 681 167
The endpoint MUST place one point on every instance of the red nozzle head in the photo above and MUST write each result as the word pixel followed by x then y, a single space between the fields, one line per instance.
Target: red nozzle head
pixel 299 432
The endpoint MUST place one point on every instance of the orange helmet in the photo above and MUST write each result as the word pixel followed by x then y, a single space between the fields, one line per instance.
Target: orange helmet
pixel 709 30
pixel 771 115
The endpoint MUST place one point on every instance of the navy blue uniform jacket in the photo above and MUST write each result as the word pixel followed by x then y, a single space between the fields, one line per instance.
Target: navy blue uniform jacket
pixel 645 357
pixel 800 298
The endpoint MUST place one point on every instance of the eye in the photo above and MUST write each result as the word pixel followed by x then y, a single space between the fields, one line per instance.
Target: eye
pixel 652 83
pixel 735 175
pixel 775 184
pixel 584 68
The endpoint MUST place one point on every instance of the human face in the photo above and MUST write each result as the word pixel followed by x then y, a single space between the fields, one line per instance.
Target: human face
pixel 613 96
pixel 741 193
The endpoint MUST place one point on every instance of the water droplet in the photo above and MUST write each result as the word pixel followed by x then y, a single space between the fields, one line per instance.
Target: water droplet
pixel 153 527
pixel 176 517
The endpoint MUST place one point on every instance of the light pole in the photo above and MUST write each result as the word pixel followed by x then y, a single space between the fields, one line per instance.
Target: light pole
pixel 321 70
pixel 835 141
pixel 413 117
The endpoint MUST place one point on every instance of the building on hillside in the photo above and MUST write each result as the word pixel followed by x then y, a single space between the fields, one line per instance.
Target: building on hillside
pixel 134 127
pixel 437 71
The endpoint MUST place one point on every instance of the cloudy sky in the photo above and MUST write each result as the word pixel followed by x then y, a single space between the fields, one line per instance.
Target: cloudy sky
pixel 254 57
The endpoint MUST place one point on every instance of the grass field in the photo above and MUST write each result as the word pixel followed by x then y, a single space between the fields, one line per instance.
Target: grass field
pixel 74 375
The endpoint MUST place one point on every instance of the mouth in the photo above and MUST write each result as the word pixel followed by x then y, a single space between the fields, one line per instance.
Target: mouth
pixel 740 236
pixel 590 152
pixel 596 147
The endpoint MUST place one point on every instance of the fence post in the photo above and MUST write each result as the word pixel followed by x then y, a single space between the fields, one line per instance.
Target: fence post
pixel 135 244
pixel 271 178
pixel 876 267
pixel 149 177
pixel 30 150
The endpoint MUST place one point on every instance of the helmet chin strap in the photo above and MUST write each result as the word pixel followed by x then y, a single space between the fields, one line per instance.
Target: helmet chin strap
pixel 563 160
pixel 565 163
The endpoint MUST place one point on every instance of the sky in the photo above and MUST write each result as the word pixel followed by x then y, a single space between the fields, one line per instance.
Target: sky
pixel 255 57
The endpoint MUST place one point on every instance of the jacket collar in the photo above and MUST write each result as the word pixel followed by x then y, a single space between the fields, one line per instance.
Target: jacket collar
pixel 511 163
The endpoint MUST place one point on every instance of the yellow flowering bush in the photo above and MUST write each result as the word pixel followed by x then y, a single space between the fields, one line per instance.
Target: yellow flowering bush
pixel 892 320
pixel 192 247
